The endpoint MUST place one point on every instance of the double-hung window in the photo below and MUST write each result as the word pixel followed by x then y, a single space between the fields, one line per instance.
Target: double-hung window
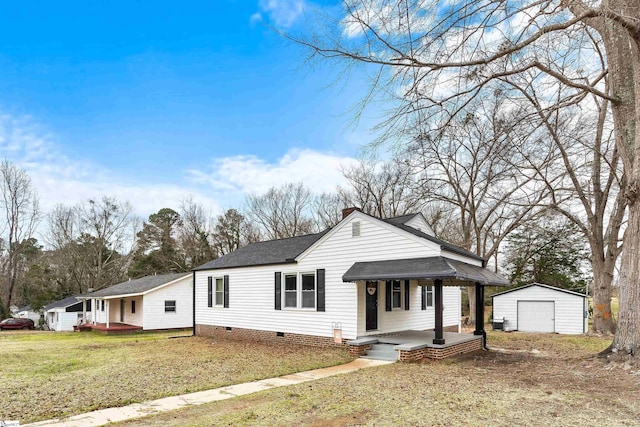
pixel 396 294
pixel 290 290
pixel 300 290
pixel 169 306
pixel 429 295
pixel 219 291
pixel 308 290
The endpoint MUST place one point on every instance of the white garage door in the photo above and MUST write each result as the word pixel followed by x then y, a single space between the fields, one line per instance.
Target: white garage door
pixel 536 316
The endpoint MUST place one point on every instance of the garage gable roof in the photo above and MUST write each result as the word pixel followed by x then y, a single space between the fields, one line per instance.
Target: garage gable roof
pixel 553 288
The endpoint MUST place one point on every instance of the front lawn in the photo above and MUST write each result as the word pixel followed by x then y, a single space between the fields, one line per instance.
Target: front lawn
pixel 48 375
pixel 528 379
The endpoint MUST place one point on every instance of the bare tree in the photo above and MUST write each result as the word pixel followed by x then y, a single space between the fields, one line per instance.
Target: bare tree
pixel 434 58
pixel 584 181
pixel 383 189
pixel 95 241
pixel 282 212
pixel 19 205
pixel 194 235
pixel 232 231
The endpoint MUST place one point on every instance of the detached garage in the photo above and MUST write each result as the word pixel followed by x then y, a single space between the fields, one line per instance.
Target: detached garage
pixel 541 308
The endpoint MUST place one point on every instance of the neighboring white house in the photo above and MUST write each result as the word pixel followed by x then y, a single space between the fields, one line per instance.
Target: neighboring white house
pixel 365 276
pixel 152 302
pixel 542 308
pixel 26 313
pixel 63 315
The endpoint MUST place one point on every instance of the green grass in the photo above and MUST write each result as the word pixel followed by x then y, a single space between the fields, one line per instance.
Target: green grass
pixel 53 374
pixel 535 379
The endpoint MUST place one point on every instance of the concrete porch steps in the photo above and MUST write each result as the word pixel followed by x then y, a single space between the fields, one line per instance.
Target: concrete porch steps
pixel 382 352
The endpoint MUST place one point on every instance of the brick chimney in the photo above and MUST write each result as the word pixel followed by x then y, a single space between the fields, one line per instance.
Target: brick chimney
pixel 347 211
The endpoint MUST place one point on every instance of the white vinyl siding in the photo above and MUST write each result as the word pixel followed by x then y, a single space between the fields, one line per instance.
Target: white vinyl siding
pixel 569 308
pixel 414 319
pixel 252 299
pixel 154 316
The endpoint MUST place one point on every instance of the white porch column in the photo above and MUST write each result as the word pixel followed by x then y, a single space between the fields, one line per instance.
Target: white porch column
pixel 107 308
pixel 84 311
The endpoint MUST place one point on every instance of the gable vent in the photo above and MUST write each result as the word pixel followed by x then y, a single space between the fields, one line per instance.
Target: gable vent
pixel 355 229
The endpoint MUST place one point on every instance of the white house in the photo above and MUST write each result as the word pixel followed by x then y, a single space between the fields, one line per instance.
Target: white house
pixel 63 315
pixel 365 277
pixel 152 302
pixel 542 308
pixel 27 313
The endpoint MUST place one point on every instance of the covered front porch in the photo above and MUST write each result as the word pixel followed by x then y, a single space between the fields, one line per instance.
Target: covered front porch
pixel 119 314
pixel 432 273
pixel 414 345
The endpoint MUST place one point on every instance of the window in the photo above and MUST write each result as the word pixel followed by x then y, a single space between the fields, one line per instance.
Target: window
pixel 396 294
pixel 290 291
pixel 170 306
pixel 300 290
pixel 308 290
pixel 133 307
pixel 355 229
pixel 219 291
pixel 102 306
pixel 429 296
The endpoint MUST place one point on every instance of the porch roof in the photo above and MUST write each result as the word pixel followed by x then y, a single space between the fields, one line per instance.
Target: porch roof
pixel 430 268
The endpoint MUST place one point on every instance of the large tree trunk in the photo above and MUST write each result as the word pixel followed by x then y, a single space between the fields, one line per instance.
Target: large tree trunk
pixel 627 338
pixel 603 321
pixel 623 60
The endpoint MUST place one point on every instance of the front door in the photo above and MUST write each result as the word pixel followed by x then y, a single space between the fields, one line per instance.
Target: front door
pixel 371 289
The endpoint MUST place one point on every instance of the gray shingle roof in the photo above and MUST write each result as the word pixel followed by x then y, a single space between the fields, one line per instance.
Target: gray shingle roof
pixel 136 286
pixel 284 251
pixel 281 251
pixel 63 303
pixel 429 268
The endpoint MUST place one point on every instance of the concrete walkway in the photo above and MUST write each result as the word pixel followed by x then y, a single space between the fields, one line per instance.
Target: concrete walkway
pixel 137 410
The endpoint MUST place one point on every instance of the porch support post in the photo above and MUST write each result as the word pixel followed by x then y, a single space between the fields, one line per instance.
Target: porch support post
pixel 84 311
pixel 107 313
pixel 480 314
pixel 439 339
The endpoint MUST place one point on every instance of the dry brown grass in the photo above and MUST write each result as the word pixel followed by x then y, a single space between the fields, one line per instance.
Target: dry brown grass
pixel 527 380
pixel 48 375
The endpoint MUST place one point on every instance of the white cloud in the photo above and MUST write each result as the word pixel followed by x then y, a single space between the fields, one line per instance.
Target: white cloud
pixel 321 172
pixel 282 13
pixel 59 178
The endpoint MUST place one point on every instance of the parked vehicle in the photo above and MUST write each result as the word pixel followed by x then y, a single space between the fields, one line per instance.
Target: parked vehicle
pixel 17 323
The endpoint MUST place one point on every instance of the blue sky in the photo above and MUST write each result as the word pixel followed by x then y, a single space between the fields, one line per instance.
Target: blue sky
pixel 155 101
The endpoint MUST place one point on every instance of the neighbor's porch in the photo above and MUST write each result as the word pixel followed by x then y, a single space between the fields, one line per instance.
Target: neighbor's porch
pixel 113 315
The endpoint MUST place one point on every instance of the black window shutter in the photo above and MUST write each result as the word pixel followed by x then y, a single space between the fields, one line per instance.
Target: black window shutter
pixel 407 294
pixel 388 297
pixel 423 291
pixel 210 292
pixel 278 290
pixel 320 289
pixel 226 291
